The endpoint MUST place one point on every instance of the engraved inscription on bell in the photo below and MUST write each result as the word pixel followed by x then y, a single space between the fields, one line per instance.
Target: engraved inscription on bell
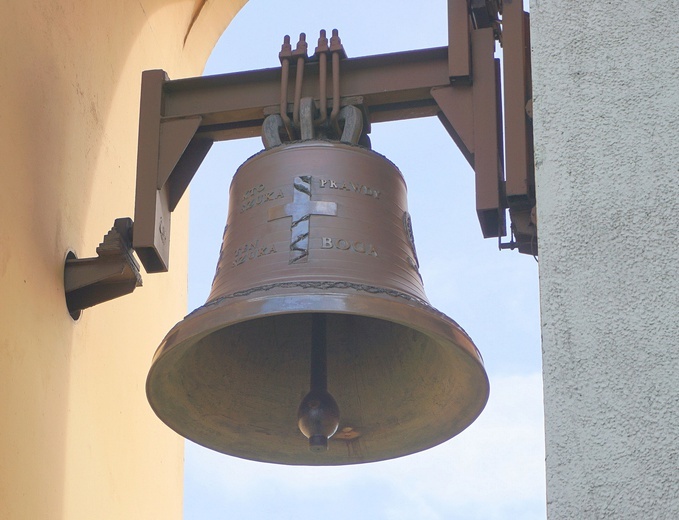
pixel 357 246
pixel 259 195
pixel 351 186
pixel 312 212
pixel 250 251
pixel 301 209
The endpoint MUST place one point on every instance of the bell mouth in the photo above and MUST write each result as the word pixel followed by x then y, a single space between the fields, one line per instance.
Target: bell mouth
pixel 231 375
pixel 317 230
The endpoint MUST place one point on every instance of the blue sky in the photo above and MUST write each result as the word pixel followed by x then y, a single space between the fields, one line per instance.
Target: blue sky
pixel 494 469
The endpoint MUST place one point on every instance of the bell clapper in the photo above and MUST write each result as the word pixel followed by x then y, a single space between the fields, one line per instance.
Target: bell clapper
pixel 318 413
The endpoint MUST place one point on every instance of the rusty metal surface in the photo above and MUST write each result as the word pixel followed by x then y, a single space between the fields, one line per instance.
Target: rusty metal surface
pixel 331 238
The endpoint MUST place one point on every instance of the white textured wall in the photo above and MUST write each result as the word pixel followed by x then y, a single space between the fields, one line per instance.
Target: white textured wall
pixel 606 104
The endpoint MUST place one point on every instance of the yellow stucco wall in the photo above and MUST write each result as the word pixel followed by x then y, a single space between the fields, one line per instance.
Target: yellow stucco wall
pixel 77 437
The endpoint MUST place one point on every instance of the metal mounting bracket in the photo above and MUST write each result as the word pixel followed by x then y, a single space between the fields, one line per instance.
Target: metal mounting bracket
pixel 112 273
pixel 460 83
pixel 180 119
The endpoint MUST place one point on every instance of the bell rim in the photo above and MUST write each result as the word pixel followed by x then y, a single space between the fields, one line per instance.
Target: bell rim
pixel 320 302
pixel 332 303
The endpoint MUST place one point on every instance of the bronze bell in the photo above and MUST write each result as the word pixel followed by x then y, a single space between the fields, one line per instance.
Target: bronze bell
pixel 317 288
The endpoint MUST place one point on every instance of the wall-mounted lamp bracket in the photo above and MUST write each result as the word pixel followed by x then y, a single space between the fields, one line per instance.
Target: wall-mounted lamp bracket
pixel 112 273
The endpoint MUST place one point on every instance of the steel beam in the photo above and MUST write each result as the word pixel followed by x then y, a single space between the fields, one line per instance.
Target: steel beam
pixel 188 115
pixel 234 105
